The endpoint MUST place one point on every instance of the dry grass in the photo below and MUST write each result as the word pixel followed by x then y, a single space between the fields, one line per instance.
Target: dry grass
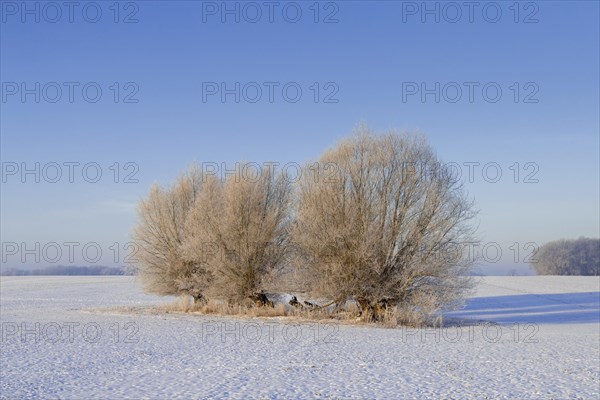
pixel 349 314
pixel 222 308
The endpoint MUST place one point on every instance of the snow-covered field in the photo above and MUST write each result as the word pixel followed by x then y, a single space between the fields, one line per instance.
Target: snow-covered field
pixel 68 337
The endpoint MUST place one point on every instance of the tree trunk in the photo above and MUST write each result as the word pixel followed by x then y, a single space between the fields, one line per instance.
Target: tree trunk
pixel 199 299
pixel 261 300
pixel 373 310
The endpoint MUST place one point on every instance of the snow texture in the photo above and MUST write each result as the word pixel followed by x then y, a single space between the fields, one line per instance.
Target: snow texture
pixel 95 338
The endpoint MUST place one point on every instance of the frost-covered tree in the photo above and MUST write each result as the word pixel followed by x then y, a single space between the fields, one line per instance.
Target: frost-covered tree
pixel 376 219
pixel 159 235
pixel 238 231
pixel 568 257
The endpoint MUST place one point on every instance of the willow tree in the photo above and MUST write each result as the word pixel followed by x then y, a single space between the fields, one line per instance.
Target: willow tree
pixel 239 227
pixel 377 220
pixel 159 237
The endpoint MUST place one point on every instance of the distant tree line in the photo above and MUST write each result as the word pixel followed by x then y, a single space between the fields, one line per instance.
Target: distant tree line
pixel 568 257
pixel 65 270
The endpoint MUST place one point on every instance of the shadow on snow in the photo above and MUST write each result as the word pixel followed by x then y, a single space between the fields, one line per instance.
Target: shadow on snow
pixel 558 308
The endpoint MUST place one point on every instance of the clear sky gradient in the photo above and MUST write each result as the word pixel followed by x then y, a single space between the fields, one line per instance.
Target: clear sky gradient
pixel 366 58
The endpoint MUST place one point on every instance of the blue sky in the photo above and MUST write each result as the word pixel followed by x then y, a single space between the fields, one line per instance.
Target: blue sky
pixel 544 57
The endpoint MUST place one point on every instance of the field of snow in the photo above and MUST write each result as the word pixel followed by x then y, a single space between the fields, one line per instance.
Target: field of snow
pixel 71 338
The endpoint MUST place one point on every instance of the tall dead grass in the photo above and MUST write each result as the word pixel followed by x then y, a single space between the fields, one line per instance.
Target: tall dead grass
pixel 350 313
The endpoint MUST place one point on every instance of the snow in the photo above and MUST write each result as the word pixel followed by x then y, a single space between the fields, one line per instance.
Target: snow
pixel 520 337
